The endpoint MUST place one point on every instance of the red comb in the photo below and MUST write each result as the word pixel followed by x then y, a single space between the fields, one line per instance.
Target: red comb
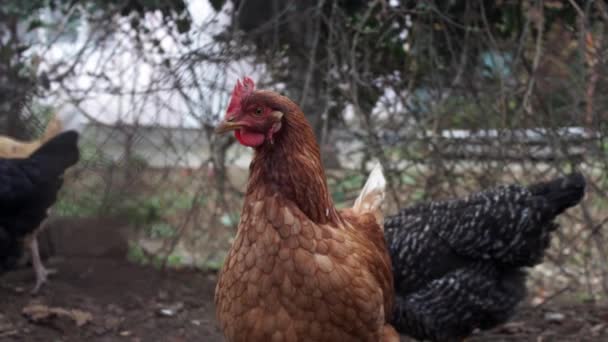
pixel 241 90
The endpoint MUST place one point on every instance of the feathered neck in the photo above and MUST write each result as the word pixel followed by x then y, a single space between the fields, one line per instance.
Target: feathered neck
pixel 292 167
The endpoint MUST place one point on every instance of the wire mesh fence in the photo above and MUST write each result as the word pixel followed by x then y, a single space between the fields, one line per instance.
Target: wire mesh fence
pixel 484 111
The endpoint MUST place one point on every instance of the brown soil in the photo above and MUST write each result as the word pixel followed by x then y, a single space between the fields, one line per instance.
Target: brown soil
pixel 127 302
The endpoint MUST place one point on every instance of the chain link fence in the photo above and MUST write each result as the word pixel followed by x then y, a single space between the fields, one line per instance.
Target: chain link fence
pixel 533 109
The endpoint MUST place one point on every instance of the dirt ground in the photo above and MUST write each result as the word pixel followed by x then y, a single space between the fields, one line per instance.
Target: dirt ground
pixel 113 300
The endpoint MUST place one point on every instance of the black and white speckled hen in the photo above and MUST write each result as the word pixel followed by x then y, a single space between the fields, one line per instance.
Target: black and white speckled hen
pixel 28 187
pixel 458 265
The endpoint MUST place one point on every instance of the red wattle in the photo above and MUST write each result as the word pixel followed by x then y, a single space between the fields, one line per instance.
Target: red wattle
pixel 249 138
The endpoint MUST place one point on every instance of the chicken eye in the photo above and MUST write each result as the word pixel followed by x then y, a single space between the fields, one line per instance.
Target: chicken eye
pixel 258 111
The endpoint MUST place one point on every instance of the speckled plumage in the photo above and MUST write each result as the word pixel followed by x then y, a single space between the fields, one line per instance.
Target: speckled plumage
pixel 458 264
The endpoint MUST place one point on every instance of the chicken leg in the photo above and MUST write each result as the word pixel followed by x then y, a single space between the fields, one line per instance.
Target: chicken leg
pixel 41 272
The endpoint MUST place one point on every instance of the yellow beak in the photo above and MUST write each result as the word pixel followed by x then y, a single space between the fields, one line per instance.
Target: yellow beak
pixel 227 126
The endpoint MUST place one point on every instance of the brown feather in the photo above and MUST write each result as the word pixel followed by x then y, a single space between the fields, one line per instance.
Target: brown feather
pixel 299 269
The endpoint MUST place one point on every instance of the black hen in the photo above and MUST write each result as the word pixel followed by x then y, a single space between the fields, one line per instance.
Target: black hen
pixel 28 187
pixel 458 264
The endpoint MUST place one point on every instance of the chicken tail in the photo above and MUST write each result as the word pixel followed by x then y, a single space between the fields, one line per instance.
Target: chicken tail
pixel 372 196
pixel 561 193
pixel 58 153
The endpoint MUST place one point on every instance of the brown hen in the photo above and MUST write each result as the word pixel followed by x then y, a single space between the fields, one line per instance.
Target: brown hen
pixel 299 269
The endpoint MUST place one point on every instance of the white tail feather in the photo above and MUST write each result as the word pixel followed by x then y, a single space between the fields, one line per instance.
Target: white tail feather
pixel 371 197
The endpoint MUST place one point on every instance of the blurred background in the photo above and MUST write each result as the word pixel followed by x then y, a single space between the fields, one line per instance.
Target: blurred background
pixel 450 96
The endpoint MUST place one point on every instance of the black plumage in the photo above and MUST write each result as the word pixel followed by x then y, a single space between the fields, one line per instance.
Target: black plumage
pixel 459 264
pixel 28 187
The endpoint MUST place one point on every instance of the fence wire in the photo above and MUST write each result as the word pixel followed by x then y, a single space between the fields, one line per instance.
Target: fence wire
pixel 150 159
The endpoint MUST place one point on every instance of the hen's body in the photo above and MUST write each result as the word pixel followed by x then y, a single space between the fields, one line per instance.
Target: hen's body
pixel 28 187
pixel 12 148
pixel 290 279
pixel 458 265
pixel 299 270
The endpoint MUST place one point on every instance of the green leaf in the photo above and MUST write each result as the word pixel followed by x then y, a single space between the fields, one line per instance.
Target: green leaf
pixel 217 4
pixel 161 230
pixel 174 260
pixel 183 25
pixel 35 24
